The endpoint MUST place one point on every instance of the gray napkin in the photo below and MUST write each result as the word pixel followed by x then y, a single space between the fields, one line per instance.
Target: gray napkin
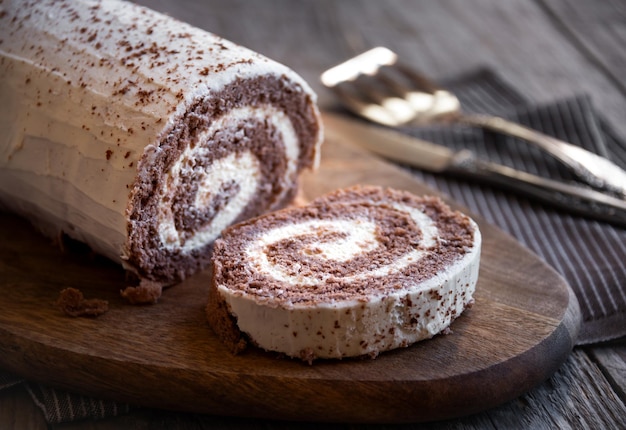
pixel 588 254
pixel 61 406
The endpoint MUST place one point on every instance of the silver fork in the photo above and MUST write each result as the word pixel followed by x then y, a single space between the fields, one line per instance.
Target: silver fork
pixel 376 86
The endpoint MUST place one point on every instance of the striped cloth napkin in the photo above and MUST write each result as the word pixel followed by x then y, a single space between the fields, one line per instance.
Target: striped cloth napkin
pixel 59 406
pixel 588 254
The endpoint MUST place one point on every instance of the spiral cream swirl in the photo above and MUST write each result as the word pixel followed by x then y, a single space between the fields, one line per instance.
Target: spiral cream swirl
pixel 360 237
pixel 241 168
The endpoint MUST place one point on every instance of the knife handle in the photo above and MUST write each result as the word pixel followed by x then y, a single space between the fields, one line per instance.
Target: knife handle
pixel 581 200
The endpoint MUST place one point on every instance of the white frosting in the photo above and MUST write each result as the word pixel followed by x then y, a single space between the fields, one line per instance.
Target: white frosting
pixel 88 88
pixel 336 329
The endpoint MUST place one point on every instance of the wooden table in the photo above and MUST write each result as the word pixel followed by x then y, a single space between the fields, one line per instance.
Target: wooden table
pixel 547 48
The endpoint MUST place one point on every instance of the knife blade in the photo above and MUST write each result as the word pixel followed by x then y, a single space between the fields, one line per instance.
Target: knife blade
pixel 432 157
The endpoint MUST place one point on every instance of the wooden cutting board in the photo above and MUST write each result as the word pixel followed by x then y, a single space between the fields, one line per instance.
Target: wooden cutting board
pixel 521 328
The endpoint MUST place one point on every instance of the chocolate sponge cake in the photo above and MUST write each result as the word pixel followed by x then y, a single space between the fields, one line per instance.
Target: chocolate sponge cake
pixel 143 136
pixel 353 273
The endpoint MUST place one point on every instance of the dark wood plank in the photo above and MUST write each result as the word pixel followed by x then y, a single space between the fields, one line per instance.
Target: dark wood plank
pixel 17 410
pixel 598 30
pixel 611 359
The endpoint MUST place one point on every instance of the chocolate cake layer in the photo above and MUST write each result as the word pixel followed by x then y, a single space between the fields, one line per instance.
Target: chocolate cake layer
pixel 142 136
pixel 356 272
pixel 228 150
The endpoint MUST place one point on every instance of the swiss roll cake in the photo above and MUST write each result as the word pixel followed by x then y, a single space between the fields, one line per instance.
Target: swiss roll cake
pixel 354 273
pixel 143 136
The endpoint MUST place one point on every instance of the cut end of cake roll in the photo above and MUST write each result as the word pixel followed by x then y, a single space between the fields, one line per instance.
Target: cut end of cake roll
pixel 232 154
pixel 354 273
pixel 141 135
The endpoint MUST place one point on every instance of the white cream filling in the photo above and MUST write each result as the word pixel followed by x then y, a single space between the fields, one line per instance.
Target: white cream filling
pixel 351 327
pixel 361 237
pixel 240 167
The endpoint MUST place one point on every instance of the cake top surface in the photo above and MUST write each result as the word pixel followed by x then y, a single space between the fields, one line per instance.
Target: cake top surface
pixel 353 244
pixel 128 52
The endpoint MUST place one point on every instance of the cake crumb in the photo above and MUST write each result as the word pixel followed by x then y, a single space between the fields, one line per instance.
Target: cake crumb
pixel 72 302
pixel 308 355
pixel 147 292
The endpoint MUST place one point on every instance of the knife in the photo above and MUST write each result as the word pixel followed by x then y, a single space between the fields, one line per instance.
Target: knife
pixel 432 157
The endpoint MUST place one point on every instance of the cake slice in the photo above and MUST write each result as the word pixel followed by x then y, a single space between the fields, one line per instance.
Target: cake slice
pixel 143 136
pixel 356 272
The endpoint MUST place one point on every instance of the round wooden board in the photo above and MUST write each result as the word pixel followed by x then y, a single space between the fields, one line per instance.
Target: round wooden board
pixel 521 328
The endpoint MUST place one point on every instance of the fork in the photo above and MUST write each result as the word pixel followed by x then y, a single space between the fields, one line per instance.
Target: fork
pixel 376 86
